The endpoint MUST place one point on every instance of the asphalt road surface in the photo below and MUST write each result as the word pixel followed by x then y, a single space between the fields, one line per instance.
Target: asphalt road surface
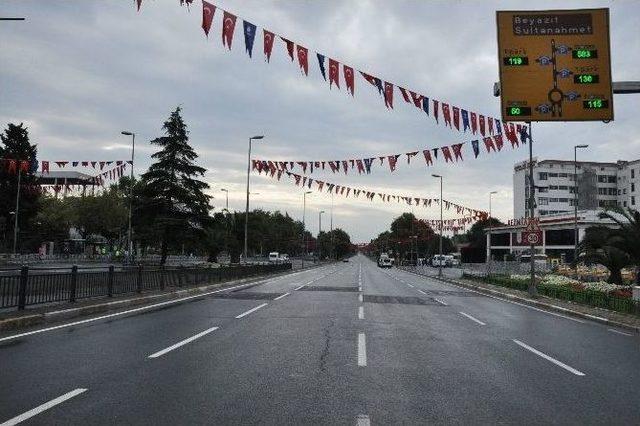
pixel 347 343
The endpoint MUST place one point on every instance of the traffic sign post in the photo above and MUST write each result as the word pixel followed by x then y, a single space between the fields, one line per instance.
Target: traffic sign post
pixel 555 65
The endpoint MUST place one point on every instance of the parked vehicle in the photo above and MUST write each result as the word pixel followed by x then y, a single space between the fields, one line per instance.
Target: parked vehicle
pixel 439 260
pixel 384 261
pixel 274 257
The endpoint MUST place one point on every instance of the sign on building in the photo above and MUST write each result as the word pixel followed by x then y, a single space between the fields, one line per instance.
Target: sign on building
pixel 555 65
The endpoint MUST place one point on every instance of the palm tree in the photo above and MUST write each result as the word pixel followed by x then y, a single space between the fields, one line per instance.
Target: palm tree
pixel 628 221
pixel 602 245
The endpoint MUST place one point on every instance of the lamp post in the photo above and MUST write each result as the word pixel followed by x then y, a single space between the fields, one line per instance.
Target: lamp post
pixel 440 243
pixel 319 231
pixel 331 228
pixel 575 204
pixel 246 211
pixel 490 259
pixel 304 236
pixel 226 193
pixel 133 150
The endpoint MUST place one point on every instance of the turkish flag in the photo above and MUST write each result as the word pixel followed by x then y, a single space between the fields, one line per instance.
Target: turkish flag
pixel 417 99
pixel 447 154
pixel 303 59
pixel 457 151
pixel 268 43
pixel 456 117
pixel 45 167
pixel 208 10
pixel 488 143
pixel 348 78
pixel 490 121
pixel 405 95
pixel 482 124
pixel 388 94
pixel 446 112
pixel 334 73
pixel 290 45
pixel 228 25
pixel 427 157
pixel 435 109
pixel 474 123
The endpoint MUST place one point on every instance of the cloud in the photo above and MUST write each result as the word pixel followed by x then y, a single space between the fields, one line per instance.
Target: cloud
pixel 80 72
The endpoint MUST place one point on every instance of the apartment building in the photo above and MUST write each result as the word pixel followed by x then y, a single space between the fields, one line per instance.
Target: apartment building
pixel 600 185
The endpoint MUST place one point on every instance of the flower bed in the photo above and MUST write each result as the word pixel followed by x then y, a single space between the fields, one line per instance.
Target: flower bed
pixel 598 294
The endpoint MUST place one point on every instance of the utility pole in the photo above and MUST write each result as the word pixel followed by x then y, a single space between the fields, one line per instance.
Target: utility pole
pixel 331 228
pixel 490 259
pixel 133 149
pixel 319 231
pixel 533 290
pixel 246 211
pixel 440 259
pixel 575 205
pixel 304 236
pixel 17 212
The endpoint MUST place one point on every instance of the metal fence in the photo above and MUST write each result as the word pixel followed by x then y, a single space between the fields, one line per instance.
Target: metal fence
pixel 26 286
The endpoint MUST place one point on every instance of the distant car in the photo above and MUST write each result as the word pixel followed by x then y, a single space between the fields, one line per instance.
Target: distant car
pixel 273 257
pixel 439 260
pixel 384 262
pixel 345 260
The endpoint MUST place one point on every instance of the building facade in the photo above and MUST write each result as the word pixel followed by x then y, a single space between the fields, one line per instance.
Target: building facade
pixel 599 185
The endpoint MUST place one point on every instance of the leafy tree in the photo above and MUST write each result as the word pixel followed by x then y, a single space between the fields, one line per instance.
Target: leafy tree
pixel 477 238
pixel 335 243
pixel 16 146
pixel 172 199
pixel 603 245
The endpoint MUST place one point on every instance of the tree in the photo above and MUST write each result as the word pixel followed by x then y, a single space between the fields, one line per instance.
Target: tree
pixel 477 238
pixel 336 243
pixel 602 245
pixel 172 199
pixel 16 147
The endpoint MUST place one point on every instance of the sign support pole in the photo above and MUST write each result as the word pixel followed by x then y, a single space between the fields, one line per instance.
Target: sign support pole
pixel 533 291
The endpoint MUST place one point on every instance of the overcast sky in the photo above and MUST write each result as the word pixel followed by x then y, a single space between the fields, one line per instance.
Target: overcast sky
pixel 79 72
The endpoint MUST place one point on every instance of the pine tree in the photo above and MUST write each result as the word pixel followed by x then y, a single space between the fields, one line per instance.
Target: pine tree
pixel 15 146
pixel 173 204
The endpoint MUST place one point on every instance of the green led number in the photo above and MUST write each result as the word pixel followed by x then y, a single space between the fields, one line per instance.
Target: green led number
pixel 515 60
pixel 595 103
pixel 515 111
pixel 585 78
pixel 583 54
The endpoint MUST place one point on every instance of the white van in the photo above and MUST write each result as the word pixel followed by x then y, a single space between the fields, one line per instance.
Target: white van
pixel 439 260
pixel 273 256
pixel 384 262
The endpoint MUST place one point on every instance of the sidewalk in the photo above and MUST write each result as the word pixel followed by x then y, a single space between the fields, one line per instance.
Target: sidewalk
pixel 603 316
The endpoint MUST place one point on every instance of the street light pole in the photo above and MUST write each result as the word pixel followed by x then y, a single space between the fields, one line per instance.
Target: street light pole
pixel 490 259
pixel 17 212
pixel 575 205
pixel 319 231
pixel 304 236
pixel 331 228
pixel 133 150
pixel 226 204
pixel 440 243
pixel 246 211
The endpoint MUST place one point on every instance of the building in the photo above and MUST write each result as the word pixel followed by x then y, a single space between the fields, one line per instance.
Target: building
pixel 558 236
pixel 62 182
pixel 600 185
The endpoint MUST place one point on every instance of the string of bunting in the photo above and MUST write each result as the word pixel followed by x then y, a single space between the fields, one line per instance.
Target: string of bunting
pixel 452 116
pixel 346 191
pixel 450 154
pixel 11 165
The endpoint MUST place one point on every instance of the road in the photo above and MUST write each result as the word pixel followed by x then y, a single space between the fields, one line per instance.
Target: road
pixel 346 343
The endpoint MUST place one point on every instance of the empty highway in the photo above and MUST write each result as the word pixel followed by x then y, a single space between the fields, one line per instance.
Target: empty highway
pixel 347 343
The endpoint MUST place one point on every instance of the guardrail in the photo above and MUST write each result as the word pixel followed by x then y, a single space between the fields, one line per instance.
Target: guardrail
pixel 26 286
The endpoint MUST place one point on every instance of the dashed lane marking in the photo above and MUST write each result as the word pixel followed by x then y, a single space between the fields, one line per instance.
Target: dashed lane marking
pixel 548 358
pixel 244 314
pixel 472 318
pixel 619 332
pixel 39 409
pixel 182 343
pixel 361 312
pixel 280 297
pixel 362 350
pixel 363 420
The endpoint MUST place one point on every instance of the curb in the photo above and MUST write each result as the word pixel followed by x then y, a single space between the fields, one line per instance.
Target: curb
pixel 534 303
pixel 11 324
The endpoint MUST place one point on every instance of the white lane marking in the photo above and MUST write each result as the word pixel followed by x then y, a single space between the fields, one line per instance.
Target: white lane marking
pixel 360 299
pixel 298 288
pixel 472 318
pixel 363 420
pixel 281 296
pixel 362 350
pixel 440 302
pixel 422 292
pixel 619 332
pixel 548 358
pixel 361 312
pixel 40 408
pixel 129 311
pixel 410 285
pixel 182 343
pixel 244 314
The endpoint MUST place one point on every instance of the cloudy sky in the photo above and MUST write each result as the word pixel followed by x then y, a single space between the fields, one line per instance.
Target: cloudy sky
pixel 79 72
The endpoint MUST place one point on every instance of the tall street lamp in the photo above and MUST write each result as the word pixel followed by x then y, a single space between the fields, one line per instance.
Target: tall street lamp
pixel 575 204
pixel 490 258
pixel 319 231
pixel 331 228
pixel 246 211
pixel 226 204
pixel 304 236
pixel 440 257
pixel 133 150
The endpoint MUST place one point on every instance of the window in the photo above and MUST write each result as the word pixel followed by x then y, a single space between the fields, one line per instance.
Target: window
pixel 543 201
pixel 612 191
pixel 553 187
pixel 563 200
pixel 542 176
pixel 611 179
pixel 562 175
pixel 624 203
pixel 543 212
pixel 633 200
pixel 572 202
pixel 624 190
pixel 607 203
pixel 563 187
pixel 602 191
pixel 543 189
pixel 553 175
pixel 633 173
pixel 633 187
pixel 553 200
